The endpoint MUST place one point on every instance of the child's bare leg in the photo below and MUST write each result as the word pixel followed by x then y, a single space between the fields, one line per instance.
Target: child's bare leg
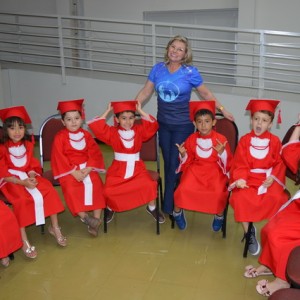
pixel 151 210
pixel 245 226
pixel 54 230
pixel 97 213
pixel 5 261
pixel 28 250
pixel 92 221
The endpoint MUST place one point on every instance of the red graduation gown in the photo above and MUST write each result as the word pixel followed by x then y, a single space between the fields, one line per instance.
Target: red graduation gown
pixel 203 183
pixel 18 196
pixel 67 155
pixel 282 233
pixel 10 237
pixel 126 193
pixel 253 156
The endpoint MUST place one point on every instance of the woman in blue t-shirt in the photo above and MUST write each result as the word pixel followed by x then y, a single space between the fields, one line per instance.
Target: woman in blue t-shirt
pixel 173 81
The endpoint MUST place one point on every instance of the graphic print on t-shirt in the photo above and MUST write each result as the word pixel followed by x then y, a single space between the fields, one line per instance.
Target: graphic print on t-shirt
pixel 167 91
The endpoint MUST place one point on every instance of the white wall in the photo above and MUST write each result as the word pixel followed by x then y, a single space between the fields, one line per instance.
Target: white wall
pixel 41 91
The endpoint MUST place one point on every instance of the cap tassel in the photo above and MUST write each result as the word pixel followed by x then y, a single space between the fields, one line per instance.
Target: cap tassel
pixel 279 121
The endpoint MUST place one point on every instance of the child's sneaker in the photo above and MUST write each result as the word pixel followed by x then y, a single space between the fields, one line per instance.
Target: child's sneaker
pixel 254 246
pixel 180 219
pixel 217 223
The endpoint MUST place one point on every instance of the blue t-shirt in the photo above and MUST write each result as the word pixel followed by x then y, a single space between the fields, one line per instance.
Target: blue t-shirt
pixel 174 92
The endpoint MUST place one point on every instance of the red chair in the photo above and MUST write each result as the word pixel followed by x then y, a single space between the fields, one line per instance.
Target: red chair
pixel 47 132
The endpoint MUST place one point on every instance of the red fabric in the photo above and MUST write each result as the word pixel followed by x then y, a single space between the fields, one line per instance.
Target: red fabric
pixel 279 237
pixel 203 184
pixel 125 194
pixel 10 237
pixel 247 205
pixel 65 159
pixel 21 200
pixel 291 155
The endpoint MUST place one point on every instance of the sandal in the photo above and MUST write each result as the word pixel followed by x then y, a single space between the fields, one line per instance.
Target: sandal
pixel 262 288
pixel 30 251
pixel 60 239
pixel 251 272
pixel 94 230
pixel 5 262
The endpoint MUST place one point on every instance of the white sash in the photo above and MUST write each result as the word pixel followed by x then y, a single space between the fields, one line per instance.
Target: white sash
pixel 130 159
pixel 88 187
pixel 262 189
pixel 37 198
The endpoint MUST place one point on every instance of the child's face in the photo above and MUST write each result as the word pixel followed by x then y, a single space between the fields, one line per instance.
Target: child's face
pixel 260 123
pixel 204 124
pixel 126 120
pixel 16 132
pixel 72 120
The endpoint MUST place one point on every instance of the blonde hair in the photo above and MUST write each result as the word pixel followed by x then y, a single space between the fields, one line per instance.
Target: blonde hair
pixel 188 58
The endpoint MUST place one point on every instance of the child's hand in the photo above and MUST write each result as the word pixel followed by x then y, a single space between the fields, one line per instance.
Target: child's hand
pixel 78 175
pixel 30 183
pixel 241 184
pixel 268 182
pixel 140 111
pixel 86 171
pixel 220 147
pixel 181 149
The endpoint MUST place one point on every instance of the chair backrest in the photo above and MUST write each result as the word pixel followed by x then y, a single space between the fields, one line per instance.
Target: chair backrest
pixel 229 130
pixel 150 150
pixel 47 132
pixel 289 173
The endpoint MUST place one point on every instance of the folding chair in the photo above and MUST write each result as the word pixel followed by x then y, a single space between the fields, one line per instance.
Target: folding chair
pixel 47 132
pixel 230 130
pixel 149 153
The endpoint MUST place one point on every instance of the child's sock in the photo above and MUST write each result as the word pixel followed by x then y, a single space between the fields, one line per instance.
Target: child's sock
pixel 151 207
pixel 175 214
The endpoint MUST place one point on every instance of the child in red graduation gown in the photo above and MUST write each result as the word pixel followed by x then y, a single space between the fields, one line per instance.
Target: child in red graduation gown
pixel 128 184
pixel 258 172
pixel 76 160
pixel 33 197
pixel 10 237
pixel 205 160
pixel 282 233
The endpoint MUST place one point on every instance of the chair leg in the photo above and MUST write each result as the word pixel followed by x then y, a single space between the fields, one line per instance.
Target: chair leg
pixel 105 220
pixel 11 256
pixel 247 239
pixel 42 229
pixel 172 221
pixel 157 216
pixel 224 225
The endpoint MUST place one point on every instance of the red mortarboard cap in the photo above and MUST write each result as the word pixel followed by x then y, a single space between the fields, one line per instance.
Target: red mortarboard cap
pixel 15 111
pixel 70 105
pixel 255 105
pixel 120 106
pixel 197 105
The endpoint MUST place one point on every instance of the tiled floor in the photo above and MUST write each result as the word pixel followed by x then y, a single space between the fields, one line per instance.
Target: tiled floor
pixel 132 262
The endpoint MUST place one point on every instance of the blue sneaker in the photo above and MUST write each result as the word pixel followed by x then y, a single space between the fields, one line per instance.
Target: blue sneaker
pixel 180 219
pixel 217 223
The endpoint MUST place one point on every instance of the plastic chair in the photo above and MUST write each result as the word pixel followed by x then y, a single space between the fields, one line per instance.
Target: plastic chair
pixel 149 153
pixel 47 132
pixel 230 130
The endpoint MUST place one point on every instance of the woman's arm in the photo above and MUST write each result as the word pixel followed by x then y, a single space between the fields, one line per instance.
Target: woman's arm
pixel 206 94
pixel 146 92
